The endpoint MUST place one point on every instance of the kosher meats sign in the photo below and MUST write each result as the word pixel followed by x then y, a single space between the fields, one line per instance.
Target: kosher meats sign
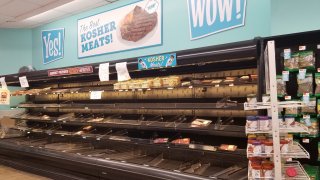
pixel 130 27
pixel 208 17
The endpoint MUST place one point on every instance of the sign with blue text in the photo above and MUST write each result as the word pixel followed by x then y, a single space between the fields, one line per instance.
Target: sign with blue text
pixel 208 17
pixel 137 25
pixel 158 61
pixel 52 45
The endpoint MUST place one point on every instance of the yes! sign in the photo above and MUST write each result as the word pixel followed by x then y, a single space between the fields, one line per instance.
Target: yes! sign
pixel 208 17
pixel 52 45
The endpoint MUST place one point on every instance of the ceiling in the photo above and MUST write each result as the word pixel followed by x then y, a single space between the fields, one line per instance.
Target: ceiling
pixel 33 13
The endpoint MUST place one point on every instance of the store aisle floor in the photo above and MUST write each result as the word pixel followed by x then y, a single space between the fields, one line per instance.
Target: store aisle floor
pixel 7 173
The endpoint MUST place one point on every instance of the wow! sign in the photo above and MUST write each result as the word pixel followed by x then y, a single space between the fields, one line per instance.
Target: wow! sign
pixel 208 17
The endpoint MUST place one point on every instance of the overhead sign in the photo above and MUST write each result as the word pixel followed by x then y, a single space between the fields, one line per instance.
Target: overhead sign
pixel 71 71
pixel 159 61
pixel 130 27
pixel 208 17
pixel 52 45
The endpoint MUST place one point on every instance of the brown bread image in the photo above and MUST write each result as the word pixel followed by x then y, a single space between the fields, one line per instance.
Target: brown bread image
pixel 137 24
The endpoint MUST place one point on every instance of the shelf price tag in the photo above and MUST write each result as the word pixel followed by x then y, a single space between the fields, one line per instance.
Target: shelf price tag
pixel 302 74
pixel 306 140
pixel 306 98
pixel 302 48
pixel 122 71
pixel 3 83
pixel 104 72
pixel 287 98
pixel 285 75
pixel 318 69
pixel 24 82
pixel 96 95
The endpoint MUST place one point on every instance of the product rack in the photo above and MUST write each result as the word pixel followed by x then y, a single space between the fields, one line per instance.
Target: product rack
pixel 302 175
pixel 295 151
pixel 122 145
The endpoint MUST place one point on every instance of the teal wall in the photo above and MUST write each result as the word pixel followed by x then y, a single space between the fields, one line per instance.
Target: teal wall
pixel 15 52
pixel 15 49
pixel 291 16
pixel 175 32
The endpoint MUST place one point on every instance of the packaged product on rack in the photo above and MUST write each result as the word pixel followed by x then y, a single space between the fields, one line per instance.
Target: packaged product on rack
pixel 318 151
pixel 291 63
pixel 281 86
pixel 317 80
pixel 292 110
pixel 264 123
pixel 305 85
pixel 268 167
pixel 252 123
pixel 312 124
pixel 311 107
pixel 284 146
pixel 306 59
pixel 268 147
pixel 289 121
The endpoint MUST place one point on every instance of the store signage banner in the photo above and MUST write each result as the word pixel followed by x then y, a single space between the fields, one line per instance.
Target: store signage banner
pixel 71 71
pixel 4 97
pixel 52 45
pixel 137 25
pixel 208 17
pixel 159 61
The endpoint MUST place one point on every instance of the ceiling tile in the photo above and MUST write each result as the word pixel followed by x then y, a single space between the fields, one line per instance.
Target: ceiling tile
pixel 5 18
pixel 47 16
pixel 33 13
pixel 16 8
pixel 4 2
pixel 41 2
pixel 20 24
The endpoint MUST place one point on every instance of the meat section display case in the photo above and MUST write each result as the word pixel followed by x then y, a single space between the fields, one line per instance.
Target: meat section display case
pixel 190 128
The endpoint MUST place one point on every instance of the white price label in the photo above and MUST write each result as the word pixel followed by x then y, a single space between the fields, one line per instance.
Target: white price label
pixel 24 82
pixel 306 116
pixel 285 75
pixel 306 98
pixel 302 74
pixel 3 83
pixel 287 97
pixel 318 46
pixel 104 72
pixel 122 71
pixel 305 140
pixel 96 94
pixel 302 48
pixel 217 85
pixel 318 69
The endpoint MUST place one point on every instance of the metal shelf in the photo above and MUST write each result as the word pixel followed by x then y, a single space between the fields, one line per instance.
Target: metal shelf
pixel 101 137
pixel 298 128
pixel 267 105
pixel 295 151
pixel 110 89
pixel 231 106
pixel 218 130
pixel 301 173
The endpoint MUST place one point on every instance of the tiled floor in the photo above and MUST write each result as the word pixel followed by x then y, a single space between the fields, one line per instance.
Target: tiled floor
pixel 7 173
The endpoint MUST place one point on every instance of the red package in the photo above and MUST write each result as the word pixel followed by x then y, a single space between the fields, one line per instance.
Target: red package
pixel 291 172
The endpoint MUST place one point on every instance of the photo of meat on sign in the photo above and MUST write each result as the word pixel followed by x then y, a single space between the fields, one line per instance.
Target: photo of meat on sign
pixel 137 24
